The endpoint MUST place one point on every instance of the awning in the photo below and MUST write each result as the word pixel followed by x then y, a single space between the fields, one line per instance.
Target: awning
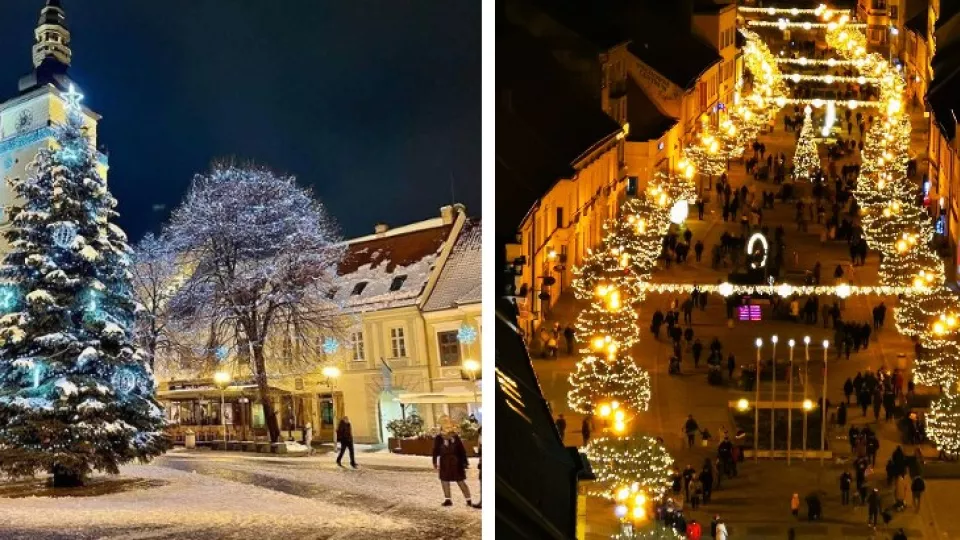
pixel 211 392
pixel 439 397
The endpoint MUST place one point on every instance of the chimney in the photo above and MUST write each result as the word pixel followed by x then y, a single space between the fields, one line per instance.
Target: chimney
pixel 381 228
pixel 448 214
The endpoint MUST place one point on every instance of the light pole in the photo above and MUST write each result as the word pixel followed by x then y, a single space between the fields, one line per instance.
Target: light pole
pixel 773 393
pixel 806 367
pixel 331 373
pixel 823 406
pixel 893 34
pixel 222 380
pixel 791 343
pixel 243 400
pixel 472 367
pixel 756 407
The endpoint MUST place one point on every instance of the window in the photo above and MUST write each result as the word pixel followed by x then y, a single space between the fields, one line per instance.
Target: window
pixel 893 12
pixel 632 182
pixel 356 344
pixel 559 218
pixel 397 282
pixel 449 348
pixel 397 343
pixel 359 287
pixel 332 293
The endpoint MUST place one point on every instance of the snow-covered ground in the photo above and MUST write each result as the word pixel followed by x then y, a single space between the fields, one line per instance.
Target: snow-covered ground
pixel 202 495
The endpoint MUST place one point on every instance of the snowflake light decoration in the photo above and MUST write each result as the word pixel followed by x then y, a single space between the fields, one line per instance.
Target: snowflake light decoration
pixel 467 334
pixel 221 353
pixel 330 345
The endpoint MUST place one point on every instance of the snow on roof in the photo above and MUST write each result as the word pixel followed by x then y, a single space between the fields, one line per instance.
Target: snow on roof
pixel 459 281
pixel 389 270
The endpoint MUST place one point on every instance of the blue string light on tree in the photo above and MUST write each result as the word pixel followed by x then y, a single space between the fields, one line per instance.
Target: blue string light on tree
pixel 9 297
pixel 330 345
pixel 64 233
pixel 467 334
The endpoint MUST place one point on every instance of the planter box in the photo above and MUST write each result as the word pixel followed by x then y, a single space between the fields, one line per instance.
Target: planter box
pixel 424 447
pixel 264 447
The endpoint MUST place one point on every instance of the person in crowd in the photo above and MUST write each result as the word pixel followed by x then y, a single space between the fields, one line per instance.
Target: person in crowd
pixel 450 461
pixel 345 438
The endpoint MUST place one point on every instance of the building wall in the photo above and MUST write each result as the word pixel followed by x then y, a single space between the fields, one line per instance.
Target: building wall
pixel 25 128
pixel 918 71
pixel 554 247
pixel 877 16
pixel 719 30
pixel 452 378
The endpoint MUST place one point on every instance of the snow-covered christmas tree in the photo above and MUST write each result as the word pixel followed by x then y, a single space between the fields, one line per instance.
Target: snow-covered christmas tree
pixel 806 160
pixel 76 392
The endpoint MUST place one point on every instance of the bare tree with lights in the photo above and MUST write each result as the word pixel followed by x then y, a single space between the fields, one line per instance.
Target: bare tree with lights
pixel 263 255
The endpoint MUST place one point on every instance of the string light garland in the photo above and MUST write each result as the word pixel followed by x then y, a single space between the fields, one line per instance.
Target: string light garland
pixel 783 24
pixel 727 289
pixel 621 462
pixel 830 79
pixel 617 328
pixel 943 420
pixel 819 10
pixel 654 530
pixel 831 62
pixel 596 380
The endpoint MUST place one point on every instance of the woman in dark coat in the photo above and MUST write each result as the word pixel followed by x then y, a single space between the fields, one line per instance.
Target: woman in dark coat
pixel 450 459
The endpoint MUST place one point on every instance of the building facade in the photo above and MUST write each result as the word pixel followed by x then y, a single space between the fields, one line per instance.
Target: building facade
pixel 27 118
pixel 392 360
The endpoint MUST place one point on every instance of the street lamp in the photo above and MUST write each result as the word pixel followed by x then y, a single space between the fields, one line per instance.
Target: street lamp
pixel 893 34
pixel 773 393
pixel 791 343
pixel 243 400
pixel 756 407
pixel 332 373
pixel 472 367
pixel 823 406
pixel 807 404
pixel 222 380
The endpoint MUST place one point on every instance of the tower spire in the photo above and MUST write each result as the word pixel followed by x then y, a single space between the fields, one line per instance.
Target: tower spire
pixel 52 35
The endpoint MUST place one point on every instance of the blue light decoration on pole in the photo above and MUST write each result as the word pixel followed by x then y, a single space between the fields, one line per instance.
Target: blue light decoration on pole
pixel 330 345
pixel 467 334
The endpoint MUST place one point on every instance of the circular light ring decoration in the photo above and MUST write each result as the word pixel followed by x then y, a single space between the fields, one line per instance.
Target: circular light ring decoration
pixel 624 461
pixel 124 381
pixel 64 233
pixel 330 345
pixel 467 334
pixel 766 249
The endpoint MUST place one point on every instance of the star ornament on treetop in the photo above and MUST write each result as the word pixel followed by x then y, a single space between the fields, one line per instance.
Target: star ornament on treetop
pixel 72 97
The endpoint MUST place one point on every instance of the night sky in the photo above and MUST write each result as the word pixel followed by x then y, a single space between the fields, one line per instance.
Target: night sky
pixel 375 104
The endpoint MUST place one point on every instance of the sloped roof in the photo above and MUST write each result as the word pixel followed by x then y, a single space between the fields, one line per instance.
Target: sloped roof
pixel 647 121
pixel 460 278
pixel 918 23
pixel 658 32
pixel 370 267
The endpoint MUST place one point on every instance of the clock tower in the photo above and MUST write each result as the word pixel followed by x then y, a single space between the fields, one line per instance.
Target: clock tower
pixel 26 119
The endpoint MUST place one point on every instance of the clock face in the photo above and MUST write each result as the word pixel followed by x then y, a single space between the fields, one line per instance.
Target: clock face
pixel 24 120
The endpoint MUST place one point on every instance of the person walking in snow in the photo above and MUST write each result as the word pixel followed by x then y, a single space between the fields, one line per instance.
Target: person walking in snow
pixel 345 438
pixel 450 461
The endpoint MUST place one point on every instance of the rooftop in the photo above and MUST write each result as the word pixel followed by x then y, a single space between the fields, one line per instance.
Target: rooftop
pixel 389 270
pixel 460 279
pixel 647 121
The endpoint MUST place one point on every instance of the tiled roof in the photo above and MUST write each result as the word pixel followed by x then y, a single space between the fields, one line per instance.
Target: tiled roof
pixel 647 121
pixel 370 268
pixel 460 277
